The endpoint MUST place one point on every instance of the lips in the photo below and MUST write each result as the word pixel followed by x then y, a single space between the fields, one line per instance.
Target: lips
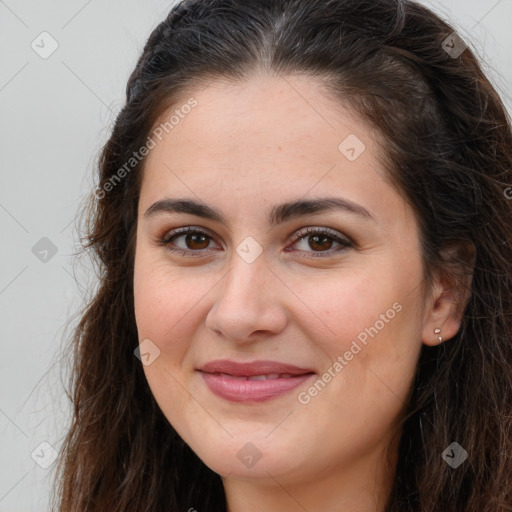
pixel 268 376
pixel 256 381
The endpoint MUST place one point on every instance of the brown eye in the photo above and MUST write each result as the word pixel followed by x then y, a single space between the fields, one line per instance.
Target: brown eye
pixel 320 241
pixel 317 242
pixel 196 241
pixel 187 241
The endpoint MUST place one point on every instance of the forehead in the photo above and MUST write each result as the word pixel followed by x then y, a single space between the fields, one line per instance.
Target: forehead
pixel 271 113
pixel 271 137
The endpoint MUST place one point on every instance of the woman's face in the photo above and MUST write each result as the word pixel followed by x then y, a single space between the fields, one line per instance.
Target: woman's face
pixel 327 324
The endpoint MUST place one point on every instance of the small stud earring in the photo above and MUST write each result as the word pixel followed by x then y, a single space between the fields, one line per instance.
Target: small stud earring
pixel 437 331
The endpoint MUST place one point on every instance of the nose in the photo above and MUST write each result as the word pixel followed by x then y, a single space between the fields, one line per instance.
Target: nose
pixel 249 303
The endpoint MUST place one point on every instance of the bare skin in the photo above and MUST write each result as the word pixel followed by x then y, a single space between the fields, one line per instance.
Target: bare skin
pixel 242 150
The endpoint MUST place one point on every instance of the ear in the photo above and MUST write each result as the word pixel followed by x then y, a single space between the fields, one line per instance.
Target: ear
pixel 450 293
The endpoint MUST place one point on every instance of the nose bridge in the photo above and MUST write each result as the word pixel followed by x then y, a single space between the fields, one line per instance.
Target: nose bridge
pixel 248 269
pixel 245 302
pixel 246 282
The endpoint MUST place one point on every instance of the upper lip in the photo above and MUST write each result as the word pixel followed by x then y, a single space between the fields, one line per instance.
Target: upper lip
pixel 252 368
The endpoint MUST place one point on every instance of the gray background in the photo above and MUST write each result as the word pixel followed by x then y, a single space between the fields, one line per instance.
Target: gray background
pixel 56 114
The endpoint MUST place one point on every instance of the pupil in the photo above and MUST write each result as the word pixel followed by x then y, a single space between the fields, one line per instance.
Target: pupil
pixel 196 239
pixel 316 239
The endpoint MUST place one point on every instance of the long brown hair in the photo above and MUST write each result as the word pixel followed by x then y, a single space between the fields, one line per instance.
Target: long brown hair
pixel 448 150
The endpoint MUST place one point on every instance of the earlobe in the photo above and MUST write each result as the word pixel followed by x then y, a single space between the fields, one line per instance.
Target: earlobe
pixel 444 319
pixel 450 295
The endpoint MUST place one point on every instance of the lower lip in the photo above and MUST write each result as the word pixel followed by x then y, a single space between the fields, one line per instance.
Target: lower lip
pixel 238 390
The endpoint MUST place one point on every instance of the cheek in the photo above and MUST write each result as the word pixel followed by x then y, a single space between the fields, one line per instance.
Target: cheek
pixel 369 327
pixel 170 306
pixel 163 299
pixel 163 309
pixel 350 305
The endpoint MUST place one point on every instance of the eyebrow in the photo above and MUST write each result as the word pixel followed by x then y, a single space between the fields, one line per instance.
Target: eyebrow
pixel 280 213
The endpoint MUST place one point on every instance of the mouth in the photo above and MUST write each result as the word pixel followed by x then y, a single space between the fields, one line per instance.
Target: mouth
pixel 252 382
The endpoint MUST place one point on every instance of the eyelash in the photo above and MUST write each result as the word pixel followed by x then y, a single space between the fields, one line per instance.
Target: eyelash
pixel 344 241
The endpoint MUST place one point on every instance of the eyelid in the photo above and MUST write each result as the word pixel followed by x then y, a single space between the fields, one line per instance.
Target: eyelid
pixel 168 235
pixel 344 241
pixel 340 238
pixel 311 230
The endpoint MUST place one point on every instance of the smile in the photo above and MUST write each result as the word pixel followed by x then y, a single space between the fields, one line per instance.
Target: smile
pixel 257 381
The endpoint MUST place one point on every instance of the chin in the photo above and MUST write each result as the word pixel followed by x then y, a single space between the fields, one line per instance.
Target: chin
pixel 239 457
pixel 228 464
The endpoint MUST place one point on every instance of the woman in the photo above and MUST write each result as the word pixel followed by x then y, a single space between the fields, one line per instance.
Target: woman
pixel 305 300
